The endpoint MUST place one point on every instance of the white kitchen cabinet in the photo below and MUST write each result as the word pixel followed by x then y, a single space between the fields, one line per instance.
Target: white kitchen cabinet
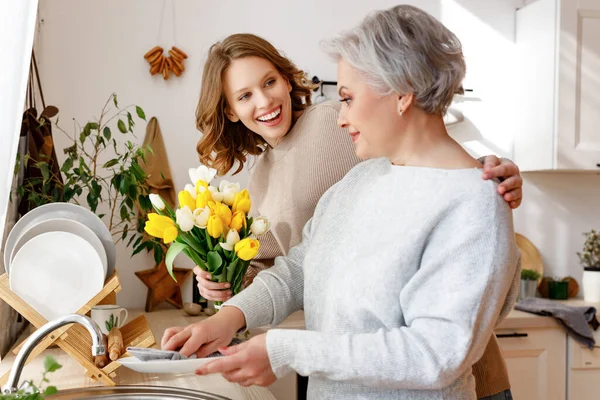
pixel 583 371
pixel 536 361
pixel 557 88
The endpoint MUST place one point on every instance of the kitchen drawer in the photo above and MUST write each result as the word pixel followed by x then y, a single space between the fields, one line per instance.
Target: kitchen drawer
pixel 536 361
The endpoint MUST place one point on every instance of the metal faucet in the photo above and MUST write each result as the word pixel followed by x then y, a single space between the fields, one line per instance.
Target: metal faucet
pixel 97 345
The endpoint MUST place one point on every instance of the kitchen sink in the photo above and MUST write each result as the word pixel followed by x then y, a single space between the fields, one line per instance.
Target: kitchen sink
pixel 134 392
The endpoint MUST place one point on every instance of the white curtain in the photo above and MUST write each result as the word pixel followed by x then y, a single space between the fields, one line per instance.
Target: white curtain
pixel 17 28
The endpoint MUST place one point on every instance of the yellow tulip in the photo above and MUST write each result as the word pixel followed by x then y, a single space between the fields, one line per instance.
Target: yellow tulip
pixel 246 249
pixel 161 227
pixel 201 184
pixel 238 221
pixel 214 226
pixel 242 202
pixel 221 210
pixel 204 196
pixel 186 199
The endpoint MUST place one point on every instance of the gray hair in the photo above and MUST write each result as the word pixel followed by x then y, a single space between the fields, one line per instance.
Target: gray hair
pixel 405 50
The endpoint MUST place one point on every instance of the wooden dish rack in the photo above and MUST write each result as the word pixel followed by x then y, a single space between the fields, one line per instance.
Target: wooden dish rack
pixel 74 339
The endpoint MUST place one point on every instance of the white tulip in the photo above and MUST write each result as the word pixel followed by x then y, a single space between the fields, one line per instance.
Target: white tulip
pixel 216 195
pixel 191 189
pixel 201 216
pixel 260 226
pixel 231 240
pixel 229 191
pixel 157 201
pixel 184 218
pixel 202 173
pixel 222 185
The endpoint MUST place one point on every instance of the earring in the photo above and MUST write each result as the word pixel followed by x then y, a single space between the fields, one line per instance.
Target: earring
pixel 399 111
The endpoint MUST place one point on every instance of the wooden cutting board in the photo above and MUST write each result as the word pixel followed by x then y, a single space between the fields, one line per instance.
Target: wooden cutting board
pixel 530 255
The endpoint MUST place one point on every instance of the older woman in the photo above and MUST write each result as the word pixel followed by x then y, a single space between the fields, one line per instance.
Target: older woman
pixel 414 233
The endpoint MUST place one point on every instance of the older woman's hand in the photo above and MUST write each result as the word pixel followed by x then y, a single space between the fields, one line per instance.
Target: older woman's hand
pixel 511 186
pixel 213 291
pixel 247 363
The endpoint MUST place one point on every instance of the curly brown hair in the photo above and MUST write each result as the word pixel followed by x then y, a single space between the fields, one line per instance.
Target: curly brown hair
pixel 224 142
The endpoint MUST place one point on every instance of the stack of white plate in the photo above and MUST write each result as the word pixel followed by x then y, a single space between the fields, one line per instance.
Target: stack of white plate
pixel 57 258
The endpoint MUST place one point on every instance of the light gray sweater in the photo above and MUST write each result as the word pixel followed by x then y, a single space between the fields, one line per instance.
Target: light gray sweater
pixel 403 273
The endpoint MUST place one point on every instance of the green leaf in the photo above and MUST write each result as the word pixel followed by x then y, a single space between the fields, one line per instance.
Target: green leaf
pixel 111 163
pixel 138 249
pixel 123 185
pixel 231 270
pixel 45 170
pixel 50 390
pixel 214 261
pixel 97 189
pixel 67 165
pixel 130 240
pixel 174 249
pixel 115 100
pixel 140 112
pixel 125 230
pixel 137 242
pixel 124 213
pixel 130 122
pixel 133 192
pixel 92 201
pixel 107 133
pixel 145 202
pixel 121 126
pixel 50 364
pixel 158 253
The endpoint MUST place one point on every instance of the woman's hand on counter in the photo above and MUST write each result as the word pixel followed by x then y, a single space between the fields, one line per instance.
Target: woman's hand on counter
pixel 204 337
pixel 213 291
pixel 246 364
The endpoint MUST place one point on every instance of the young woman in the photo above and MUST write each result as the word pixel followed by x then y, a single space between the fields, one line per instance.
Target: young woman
pixel 413 235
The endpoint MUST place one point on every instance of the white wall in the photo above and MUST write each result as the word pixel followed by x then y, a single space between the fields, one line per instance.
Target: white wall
pixel 89 49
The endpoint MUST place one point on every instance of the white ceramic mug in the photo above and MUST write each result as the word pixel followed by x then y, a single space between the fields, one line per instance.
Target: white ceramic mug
pixel 101 314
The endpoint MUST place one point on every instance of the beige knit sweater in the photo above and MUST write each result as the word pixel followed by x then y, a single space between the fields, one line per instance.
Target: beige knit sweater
pixel 286 183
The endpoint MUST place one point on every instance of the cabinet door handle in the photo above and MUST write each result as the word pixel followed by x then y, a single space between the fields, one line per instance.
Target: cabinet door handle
pixel 511 335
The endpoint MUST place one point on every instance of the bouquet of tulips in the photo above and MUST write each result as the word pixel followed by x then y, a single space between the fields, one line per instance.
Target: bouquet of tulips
pixel 211 226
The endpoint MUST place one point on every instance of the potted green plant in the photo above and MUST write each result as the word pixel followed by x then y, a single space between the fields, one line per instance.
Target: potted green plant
pixel 102 169
pixel 590 260
pixel 529 281
pixel 558 288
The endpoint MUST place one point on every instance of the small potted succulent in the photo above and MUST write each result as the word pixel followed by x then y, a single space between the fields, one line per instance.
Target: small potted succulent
pixel 590 260
pixel 558 288
pixel 529 281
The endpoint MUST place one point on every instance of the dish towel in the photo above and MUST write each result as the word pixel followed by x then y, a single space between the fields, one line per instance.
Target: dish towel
pixel 157 166
pixel 576 320
pixel 146 354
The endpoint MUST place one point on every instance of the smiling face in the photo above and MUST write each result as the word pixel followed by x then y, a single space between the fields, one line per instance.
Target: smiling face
pixel 372 119
pixel 258 96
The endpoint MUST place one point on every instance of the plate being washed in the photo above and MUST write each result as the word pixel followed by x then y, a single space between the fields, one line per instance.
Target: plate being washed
pixel 67 211
pixel 187 366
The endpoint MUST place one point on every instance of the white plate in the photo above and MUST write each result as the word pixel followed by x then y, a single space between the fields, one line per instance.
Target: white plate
pixel 188 366
pixel 67 211
pixel 62 225
pixel 56 273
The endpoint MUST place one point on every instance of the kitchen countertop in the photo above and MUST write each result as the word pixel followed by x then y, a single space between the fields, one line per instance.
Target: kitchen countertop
pixel 72 375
